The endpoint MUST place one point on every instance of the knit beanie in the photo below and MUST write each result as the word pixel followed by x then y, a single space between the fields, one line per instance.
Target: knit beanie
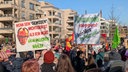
pixel 48 57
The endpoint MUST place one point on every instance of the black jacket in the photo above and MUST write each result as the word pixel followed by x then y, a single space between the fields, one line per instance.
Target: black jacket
pixel 45 67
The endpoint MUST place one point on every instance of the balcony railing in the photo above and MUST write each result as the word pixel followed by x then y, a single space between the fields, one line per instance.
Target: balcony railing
pixel 69 32
pixel 70 27
pixel 6 2
pixel 58 22
pixel 72 13
pixel 6 15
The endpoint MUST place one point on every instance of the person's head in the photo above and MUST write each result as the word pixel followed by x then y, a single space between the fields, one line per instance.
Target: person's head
pixel 30 66
pixel 60 50
pixel 64 64
pixel 22 35
pixel 80 54
pixel 48 57
pixel 37 54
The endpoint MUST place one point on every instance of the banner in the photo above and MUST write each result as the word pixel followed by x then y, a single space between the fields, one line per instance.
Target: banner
pixel 32 35
pixel 87 29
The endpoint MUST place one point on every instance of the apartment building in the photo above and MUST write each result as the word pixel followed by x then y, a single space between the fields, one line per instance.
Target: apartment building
pixel 123 31
pixel 68 22
pixel 12 11
pixel 104 28
pixel 112 27
pixel 54 15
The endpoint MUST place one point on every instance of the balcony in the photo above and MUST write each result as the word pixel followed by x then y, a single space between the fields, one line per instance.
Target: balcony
pixel 6 30
pixel 7 17
pixel 54 16
pixel 70 32
pixel 7 4
pixel 70 27
pixel 54 32
pixel 70 20
pixel 58 22
pixel 72 14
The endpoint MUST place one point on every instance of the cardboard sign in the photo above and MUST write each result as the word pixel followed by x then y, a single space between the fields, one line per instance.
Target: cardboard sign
pixel 87 29
pixel 32 35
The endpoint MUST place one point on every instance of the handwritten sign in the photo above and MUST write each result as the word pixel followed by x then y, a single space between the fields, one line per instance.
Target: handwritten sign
pixel 32 35
pixel 87 29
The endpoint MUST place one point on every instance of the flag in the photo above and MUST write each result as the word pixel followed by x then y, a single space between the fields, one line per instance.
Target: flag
pixel 68 45
pixel 116 39
pixel 6 40
pixel 68 40
pixel 71 38
pixel 107 46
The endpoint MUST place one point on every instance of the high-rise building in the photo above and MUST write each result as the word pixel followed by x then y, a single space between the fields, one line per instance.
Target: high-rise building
pixel 54 15
pixel 68 22
pixel 104 28
pixel 12 11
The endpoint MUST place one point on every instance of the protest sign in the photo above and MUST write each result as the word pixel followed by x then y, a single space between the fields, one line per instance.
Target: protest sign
pixel 32 35
pixel 96 48
pixel 87 29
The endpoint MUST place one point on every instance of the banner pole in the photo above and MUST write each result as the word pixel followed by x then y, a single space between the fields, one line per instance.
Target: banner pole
pixel 34 54
pixel 86 55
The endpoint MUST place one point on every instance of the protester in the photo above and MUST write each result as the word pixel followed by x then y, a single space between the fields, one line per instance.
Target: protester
pixel 30 66
pixel 126 66
pixel 48 65
pixel 37 54
pixel 78 62
pixel 115 63
pixel 64 64
pixel 3 56
pixel 11 63
pixel 91 62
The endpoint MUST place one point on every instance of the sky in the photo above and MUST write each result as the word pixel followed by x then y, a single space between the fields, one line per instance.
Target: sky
pixel 120 7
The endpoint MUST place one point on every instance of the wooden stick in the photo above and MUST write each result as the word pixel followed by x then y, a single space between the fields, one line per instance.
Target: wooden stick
pixel 86 54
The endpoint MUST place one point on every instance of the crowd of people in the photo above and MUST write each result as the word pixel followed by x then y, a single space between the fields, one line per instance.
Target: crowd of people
pixel 58 59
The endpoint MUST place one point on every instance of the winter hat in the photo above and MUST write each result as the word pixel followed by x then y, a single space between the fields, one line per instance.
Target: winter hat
pixel 48 57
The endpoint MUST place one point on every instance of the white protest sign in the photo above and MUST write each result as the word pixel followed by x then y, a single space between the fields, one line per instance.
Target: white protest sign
pixel 32 35
pixel 87 29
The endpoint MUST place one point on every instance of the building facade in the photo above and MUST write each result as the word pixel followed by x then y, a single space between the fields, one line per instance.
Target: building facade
pixel 112 27
pixel 12 11
pixel 54 15
pixel 123 31
pixel 68 22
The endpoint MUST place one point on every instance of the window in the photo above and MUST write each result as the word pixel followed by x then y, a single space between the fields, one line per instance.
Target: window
pixel 50 13
pixel 23 15
pixel 31 6
pixel 31 16
pixel 59 14
pixel 22 4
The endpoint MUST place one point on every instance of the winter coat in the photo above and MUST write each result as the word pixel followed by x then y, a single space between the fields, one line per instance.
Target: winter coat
pixel 2 68
pixel 15 66
pixel 78 64
pixel 45 67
